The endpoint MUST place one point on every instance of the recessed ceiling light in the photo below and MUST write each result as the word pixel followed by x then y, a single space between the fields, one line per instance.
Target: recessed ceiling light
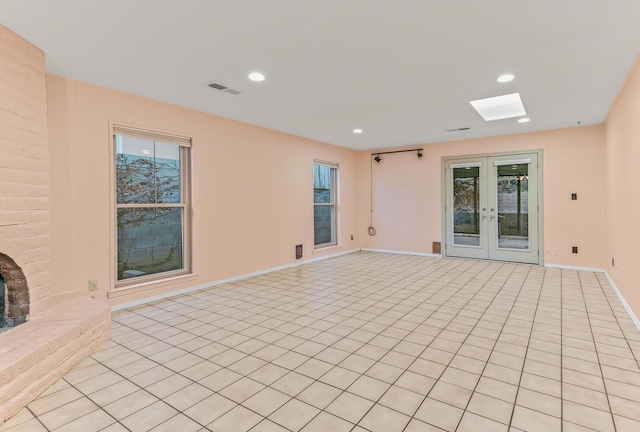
pixel 524 120
pixel 500 107
pixel 357 131
pixel 505 78
pixel 257 76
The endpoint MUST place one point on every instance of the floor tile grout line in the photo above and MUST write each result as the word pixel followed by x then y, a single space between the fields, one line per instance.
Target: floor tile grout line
pixel 464 410
pixel 98 408
pixel 37 419
pixel 533 324
pixel 146 391
pixel 390 349
pixel 455 268
pixel 604 382
pixel 377 361
pixel 245 376
pixel 380 306
pixel 101 408
pixel 618 322
pixel 497 293
pixel 342 337
pixel 440 332
pixel 273 329
pixel 362 374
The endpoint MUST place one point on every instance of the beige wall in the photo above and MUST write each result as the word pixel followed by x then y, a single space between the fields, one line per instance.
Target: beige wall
pixel 622 204
pixel 252 189
pixel 24 164
pixel 407 193
pixel 252 199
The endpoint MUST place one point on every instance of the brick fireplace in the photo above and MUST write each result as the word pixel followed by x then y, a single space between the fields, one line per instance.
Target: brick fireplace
pixel 47 327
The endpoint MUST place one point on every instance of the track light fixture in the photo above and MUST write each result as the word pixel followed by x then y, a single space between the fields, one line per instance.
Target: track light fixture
pixel 378 159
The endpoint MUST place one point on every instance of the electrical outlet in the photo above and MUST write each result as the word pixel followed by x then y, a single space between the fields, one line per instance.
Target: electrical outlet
pixel 554 251
pixel 351 236
pixel 574 249
pixel 548 251
pixel 93 284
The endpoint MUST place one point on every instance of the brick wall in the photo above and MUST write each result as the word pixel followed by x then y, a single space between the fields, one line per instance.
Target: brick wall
pixel 24 164
pixel 65 328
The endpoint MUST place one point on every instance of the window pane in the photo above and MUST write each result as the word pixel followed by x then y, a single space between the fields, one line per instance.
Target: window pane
pixel 322 184
pixel 135 179
pixel 513 206
pixel 149 241
pixel 147 172
pixel 466 208
pixel 167 168
pixel 323 224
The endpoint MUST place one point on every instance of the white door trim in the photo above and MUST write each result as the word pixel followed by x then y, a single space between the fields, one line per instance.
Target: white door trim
pixel 462 158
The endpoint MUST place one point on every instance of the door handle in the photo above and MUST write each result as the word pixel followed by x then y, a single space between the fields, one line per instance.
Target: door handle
pixel 484 213
pixel 493 215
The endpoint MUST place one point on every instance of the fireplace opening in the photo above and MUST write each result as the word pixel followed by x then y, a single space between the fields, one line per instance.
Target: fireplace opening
pixel 3 294
pixel 14 294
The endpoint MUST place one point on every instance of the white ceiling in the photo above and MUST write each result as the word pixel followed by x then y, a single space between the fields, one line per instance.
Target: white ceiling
pixel 404 70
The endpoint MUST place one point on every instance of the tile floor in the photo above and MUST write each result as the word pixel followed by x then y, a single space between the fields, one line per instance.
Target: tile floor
pixel 363 342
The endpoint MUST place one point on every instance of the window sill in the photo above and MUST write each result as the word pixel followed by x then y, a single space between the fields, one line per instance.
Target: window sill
pixel 144 286
pixel 324 248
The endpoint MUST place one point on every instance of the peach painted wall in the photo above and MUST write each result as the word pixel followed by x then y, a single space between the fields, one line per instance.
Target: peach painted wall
pixel 407 193
pixel 24 164
pixel 622 165
pixel 252 189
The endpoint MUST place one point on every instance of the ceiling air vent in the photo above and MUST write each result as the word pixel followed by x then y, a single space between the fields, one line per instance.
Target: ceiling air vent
pixel 458 129
pixel 223 88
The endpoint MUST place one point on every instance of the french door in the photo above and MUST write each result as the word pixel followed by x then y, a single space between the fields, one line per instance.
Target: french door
pixel 491 208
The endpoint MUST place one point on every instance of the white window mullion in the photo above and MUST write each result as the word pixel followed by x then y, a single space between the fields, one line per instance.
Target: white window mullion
pixel 152 238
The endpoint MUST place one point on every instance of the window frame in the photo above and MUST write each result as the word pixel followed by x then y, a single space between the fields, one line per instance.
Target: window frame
pixel 184 144
pixel 334 194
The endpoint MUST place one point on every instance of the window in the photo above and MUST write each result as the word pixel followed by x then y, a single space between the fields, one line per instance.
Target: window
pixel 152 205
pixel 324 204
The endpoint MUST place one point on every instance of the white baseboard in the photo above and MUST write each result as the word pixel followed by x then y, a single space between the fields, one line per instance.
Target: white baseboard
pixel 146 300
pixel 633 316
pixel 223 281
pixel 402 252
pixel 566 267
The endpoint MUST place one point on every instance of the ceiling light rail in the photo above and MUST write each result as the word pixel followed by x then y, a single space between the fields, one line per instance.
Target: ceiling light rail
pixel 378 159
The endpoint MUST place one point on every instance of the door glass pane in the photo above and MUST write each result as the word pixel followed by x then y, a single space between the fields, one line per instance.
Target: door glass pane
pixel 513 206
pixel 466 206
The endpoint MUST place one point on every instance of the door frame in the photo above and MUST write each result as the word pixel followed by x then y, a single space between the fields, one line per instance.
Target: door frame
pixel 443 194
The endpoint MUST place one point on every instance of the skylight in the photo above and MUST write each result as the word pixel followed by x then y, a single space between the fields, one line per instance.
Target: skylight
pixel 500 107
